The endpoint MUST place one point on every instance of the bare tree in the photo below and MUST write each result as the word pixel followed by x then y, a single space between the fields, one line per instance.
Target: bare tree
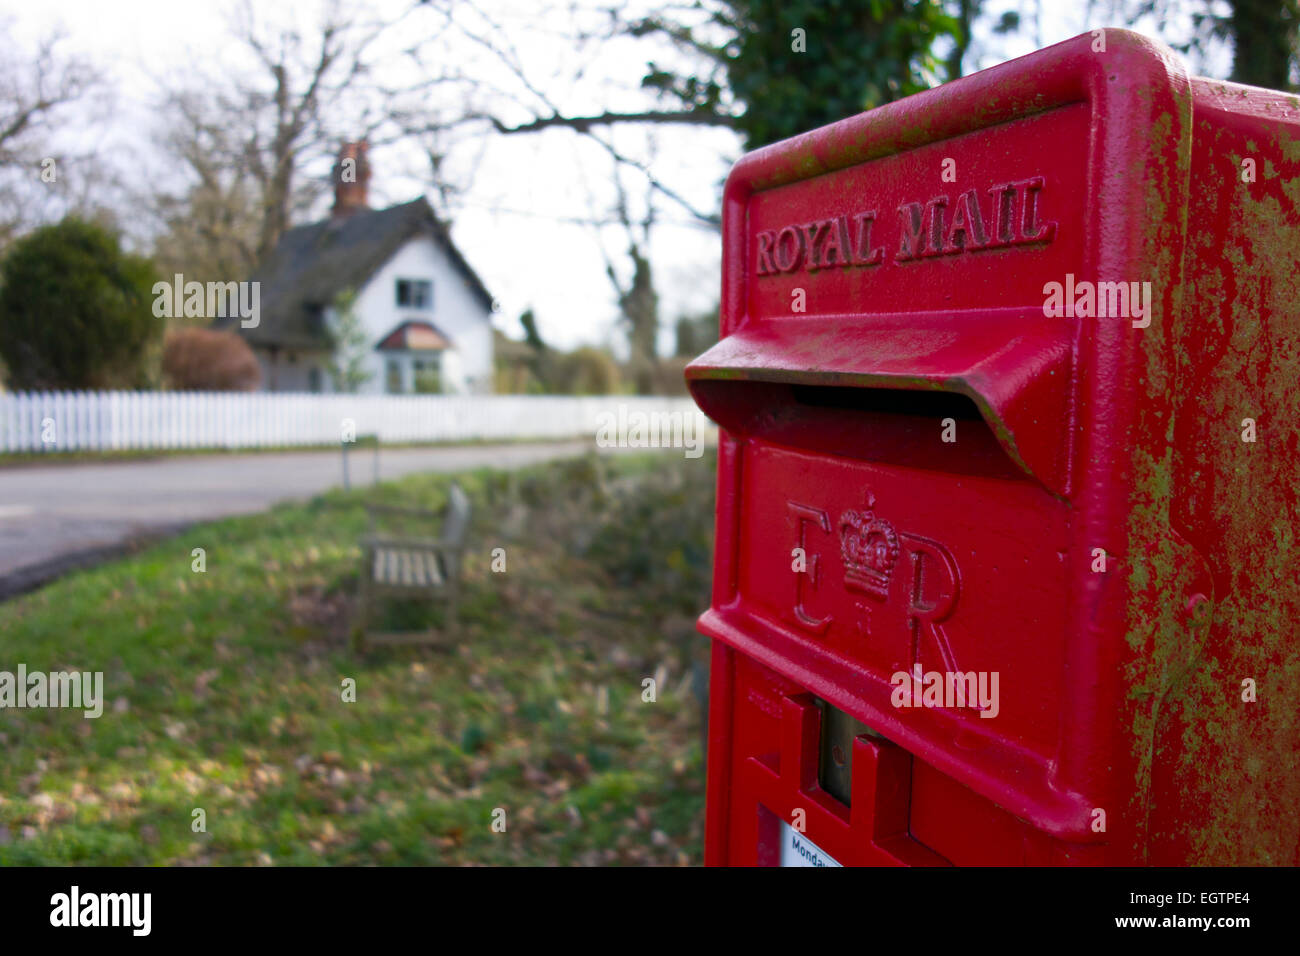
pixel 38 96
pixel 300 75
pixel 638 302
pixel 488 105
pixel 509 95
pixel 212 228
pixel 245 141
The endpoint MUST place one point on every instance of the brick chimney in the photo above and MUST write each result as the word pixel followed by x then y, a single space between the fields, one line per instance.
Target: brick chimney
pixel 351 179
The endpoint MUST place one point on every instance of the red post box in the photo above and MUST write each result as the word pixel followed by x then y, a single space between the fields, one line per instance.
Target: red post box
pixel 1009 385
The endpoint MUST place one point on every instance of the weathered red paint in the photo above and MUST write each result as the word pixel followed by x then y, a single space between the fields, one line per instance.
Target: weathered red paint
pixel 1079 432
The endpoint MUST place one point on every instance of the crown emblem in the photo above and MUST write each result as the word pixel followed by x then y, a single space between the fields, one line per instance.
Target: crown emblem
pixel 869 547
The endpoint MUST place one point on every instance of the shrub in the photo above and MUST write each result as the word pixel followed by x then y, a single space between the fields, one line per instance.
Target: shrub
pixel 586 371
pixel 659 540
pixel 207 360
pixel 428 381
pixel 75 311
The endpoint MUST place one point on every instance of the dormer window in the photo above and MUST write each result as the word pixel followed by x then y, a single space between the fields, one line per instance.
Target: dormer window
pixel 414 294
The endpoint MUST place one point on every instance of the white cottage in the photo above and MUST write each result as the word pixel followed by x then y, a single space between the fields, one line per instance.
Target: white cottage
pixel 424 312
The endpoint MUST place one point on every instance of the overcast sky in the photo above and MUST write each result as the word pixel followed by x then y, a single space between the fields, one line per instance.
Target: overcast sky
pixel 515 224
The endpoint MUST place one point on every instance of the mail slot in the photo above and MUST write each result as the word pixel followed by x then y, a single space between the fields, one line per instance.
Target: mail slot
pixel 1009 391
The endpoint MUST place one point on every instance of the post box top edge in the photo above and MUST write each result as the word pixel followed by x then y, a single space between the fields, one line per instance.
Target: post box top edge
pixel 1228 97
pixel 1065 73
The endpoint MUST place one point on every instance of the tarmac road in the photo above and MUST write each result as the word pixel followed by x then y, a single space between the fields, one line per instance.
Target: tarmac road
pixel 58 517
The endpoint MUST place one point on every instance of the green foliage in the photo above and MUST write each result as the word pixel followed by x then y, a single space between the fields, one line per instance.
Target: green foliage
pixel 351 345
pixel 858 54
pixel 532 336
pixel 660 540
pixel 532 367
pixel 586 371
pixel 76 312
pixel 428 381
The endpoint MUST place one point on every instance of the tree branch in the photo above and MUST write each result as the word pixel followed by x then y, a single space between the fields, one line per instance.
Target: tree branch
pixel 583 124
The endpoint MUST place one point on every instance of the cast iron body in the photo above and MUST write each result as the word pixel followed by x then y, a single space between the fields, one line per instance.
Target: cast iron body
pixel 1121 734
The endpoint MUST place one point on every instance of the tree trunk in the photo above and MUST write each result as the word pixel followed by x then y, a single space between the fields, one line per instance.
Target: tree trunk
pixel 640 306
pixel 966 12
pixel 1264 36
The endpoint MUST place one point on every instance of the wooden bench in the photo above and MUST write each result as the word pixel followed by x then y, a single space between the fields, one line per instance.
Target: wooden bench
pixel 407 566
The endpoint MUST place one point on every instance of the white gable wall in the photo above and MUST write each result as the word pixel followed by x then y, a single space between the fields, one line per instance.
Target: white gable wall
pixel 456 311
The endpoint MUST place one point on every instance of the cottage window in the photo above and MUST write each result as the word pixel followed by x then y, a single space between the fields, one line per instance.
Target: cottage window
pixel 428 377
pixel 414 293
pixel 394 377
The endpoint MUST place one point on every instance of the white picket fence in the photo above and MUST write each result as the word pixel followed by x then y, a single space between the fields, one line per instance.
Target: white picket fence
pixel 104 421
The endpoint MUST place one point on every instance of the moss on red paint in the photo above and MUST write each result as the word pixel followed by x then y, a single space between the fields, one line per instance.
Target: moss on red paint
pixel 1236 355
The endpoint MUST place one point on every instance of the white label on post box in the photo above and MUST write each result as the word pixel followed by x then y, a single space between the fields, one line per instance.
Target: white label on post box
pixel 798 850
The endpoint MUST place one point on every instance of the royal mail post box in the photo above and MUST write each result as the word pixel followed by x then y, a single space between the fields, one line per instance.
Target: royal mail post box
pixel 1009 388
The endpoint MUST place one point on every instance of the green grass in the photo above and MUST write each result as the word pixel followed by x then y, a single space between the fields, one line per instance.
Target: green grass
pixel 223 690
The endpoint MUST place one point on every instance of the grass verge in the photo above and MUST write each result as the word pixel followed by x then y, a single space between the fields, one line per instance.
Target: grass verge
pixel 223 689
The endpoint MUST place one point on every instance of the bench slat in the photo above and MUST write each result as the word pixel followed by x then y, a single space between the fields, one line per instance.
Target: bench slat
pixel 413 568
pixel 403 564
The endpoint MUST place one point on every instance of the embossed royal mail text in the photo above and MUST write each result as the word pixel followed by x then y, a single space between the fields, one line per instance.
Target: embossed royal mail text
pixel 1001 217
